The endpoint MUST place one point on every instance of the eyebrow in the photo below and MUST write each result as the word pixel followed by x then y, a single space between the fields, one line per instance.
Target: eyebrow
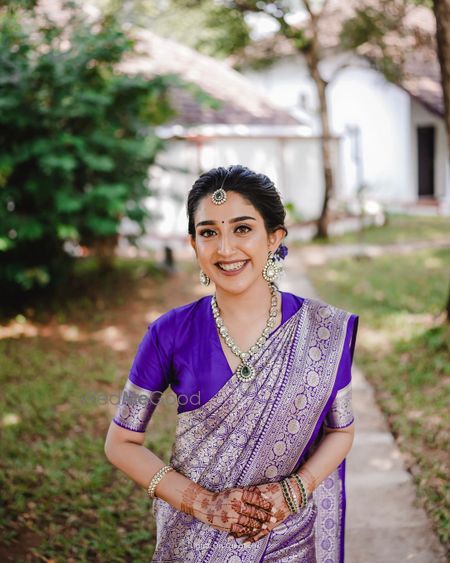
pixel 235 220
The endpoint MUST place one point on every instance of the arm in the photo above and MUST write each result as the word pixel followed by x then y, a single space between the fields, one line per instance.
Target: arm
pixel 149 377
pixel 125 450
pixel 333 448
pixel 244 510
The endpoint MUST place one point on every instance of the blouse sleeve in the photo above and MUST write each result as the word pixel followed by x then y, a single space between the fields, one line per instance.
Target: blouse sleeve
pixel 340 414
pixel 149 377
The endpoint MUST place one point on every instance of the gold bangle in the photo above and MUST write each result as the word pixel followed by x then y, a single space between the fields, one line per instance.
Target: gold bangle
pixel 156 479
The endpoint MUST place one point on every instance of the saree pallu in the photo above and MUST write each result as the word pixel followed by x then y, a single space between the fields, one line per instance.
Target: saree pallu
pixel 260 432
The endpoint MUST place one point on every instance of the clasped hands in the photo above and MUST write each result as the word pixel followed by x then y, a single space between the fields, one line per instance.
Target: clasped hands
pixel 248 513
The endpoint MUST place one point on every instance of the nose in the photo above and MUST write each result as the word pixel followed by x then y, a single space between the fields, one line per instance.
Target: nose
pixel 224 247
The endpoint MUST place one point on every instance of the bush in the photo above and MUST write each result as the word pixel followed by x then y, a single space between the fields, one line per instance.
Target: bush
pixel 76 140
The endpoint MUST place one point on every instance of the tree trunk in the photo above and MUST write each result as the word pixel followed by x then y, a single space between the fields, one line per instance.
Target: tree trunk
pixel 104 249
pixel 442 13
pixel 312 61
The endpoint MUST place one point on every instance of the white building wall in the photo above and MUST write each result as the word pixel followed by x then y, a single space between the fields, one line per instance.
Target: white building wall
pixel 291 162
pixel 361 98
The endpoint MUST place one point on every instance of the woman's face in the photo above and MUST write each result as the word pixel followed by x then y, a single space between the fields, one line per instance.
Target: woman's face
pixel 232 232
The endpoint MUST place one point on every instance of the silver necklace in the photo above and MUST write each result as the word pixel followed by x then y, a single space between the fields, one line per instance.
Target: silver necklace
pixel 245 371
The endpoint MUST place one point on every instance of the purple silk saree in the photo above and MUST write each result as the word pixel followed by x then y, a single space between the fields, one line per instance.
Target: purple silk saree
pixel 259 432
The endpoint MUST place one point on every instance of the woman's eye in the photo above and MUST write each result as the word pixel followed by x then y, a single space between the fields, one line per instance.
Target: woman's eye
pixel 203 233
pixel 206 231
pixel 244 227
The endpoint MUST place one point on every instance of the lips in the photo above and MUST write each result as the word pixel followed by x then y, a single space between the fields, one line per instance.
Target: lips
pixel 234 270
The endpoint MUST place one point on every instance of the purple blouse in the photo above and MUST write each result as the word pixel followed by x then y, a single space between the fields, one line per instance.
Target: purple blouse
pixel 182 349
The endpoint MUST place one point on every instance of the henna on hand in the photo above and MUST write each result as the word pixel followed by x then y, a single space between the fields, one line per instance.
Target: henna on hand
pixel 227 510
pixel 271 492
pixel 190 495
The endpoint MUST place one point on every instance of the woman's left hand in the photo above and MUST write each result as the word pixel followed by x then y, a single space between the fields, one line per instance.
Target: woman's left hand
pixel 274 494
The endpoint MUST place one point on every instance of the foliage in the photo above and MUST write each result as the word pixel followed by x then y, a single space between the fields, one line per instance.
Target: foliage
pixel 404 350
pixel 205 25
pixel 76 140
pixel 384 32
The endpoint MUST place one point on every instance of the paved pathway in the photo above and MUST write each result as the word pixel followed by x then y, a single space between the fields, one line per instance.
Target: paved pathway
pixel 383 523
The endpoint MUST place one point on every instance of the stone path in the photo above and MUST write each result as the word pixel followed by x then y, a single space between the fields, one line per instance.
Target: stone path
pixel 383 523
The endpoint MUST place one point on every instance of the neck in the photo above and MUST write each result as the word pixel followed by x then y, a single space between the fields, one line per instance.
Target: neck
pixel 250 305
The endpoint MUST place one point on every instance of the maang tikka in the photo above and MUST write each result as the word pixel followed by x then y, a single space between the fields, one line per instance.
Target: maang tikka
pixel 220 195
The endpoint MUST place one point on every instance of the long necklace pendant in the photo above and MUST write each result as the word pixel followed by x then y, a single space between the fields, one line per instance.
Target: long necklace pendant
pixel 245 372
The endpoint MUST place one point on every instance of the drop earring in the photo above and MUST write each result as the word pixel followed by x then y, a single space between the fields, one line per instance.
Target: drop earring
pixel 204 279
pixel 271 270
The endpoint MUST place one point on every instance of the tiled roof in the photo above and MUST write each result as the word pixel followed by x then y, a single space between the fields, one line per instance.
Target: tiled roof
pixel 241 103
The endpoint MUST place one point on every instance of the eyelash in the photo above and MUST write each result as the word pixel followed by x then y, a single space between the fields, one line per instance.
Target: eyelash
pixel 210 230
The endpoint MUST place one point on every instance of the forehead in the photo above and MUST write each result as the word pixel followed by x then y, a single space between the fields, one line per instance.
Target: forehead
pixel 234 206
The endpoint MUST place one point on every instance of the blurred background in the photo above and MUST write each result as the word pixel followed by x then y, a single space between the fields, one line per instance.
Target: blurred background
pixel 109 111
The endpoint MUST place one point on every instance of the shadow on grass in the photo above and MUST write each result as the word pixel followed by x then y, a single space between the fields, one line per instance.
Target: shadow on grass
pixel 62 499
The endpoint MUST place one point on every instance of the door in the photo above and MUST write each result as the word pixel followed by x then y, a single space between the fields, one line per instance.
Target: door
pixel 425 139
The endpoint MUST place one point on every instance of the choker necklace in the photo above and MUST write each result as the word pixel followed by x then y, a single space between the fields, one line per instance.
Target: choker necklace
pixel 245 371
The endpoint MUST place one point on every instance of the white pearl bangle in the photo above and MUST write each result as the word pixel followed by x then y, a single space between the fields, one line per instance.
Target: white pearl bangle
pixel 156 479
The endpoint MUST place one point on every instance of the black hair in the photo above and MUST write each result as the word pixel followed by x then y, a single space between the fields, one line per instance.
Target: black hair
pixel 257 189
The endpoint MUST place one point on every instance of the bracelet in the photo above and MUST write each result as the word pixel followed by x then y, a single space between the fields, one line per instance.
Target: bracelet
pixel 287 496
pixel 293 495
pixel 156 479
pixel 302 488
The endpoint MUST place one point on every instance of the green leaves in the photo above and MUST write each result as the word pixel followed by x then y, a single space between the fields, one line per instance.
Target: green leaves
pixel 76 139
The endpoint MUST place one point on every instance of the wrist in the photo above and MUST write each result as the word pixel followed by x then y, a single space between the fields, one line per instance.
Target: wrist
pixel 194 499
pixel 308 479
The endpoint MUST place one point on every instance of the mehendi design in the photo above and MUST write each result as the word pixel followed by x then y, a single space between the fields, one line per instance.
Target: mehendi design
pixel 190 495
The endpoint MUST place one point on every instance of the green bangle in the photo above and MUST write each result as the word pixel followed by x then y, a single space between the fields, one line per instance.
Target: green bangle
pixel 302 487
pixel 287 496
pixel 293 495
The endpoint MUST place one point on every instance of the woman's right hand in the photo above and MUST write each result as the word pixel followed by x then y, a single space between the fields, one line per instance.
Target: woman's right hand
pixel 239 511
pixel 274 494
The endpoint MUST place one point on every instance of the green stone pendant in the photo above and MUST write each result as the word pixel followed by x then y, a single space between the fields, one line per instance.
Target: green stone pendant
pixel 245 372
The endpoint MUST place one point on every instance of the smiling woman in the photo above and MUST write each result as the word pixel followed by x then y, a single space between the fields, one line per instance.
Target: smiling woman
pixel 260 457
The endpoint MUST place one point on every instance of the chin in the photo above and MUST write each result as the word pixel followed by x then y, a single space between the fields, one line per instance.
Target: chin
pixel 235 287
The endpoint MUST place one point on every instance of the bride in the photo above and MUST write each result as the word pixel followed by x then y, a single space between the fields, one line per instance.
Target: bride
pixel 263 380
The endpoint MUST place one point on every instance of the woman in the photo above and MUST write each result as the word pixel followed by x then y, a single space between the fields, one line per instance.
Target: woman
pixel 264 400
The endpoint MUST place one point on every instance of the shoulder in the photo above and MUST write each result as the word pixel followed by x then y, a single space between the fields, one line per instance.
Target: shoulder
pixel 323 312
pixel 326 309
pixel 292 297
pixel 172 320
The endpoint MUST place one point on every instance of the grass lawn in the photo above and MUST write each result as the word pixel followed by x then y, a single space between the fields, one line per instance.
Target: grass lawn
pixel 404 349
pixel 61 499
pixel 400 228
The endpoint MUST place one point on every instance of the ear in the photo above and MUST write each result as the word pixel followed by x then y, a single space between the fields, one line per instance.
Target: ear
pixel 275 238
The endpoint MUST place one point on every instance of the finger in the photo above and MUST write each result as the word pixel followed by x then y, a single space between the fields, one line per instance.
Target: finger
pixel 251 511
pixel 249 522
pixel 238 530
pixel 253 496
